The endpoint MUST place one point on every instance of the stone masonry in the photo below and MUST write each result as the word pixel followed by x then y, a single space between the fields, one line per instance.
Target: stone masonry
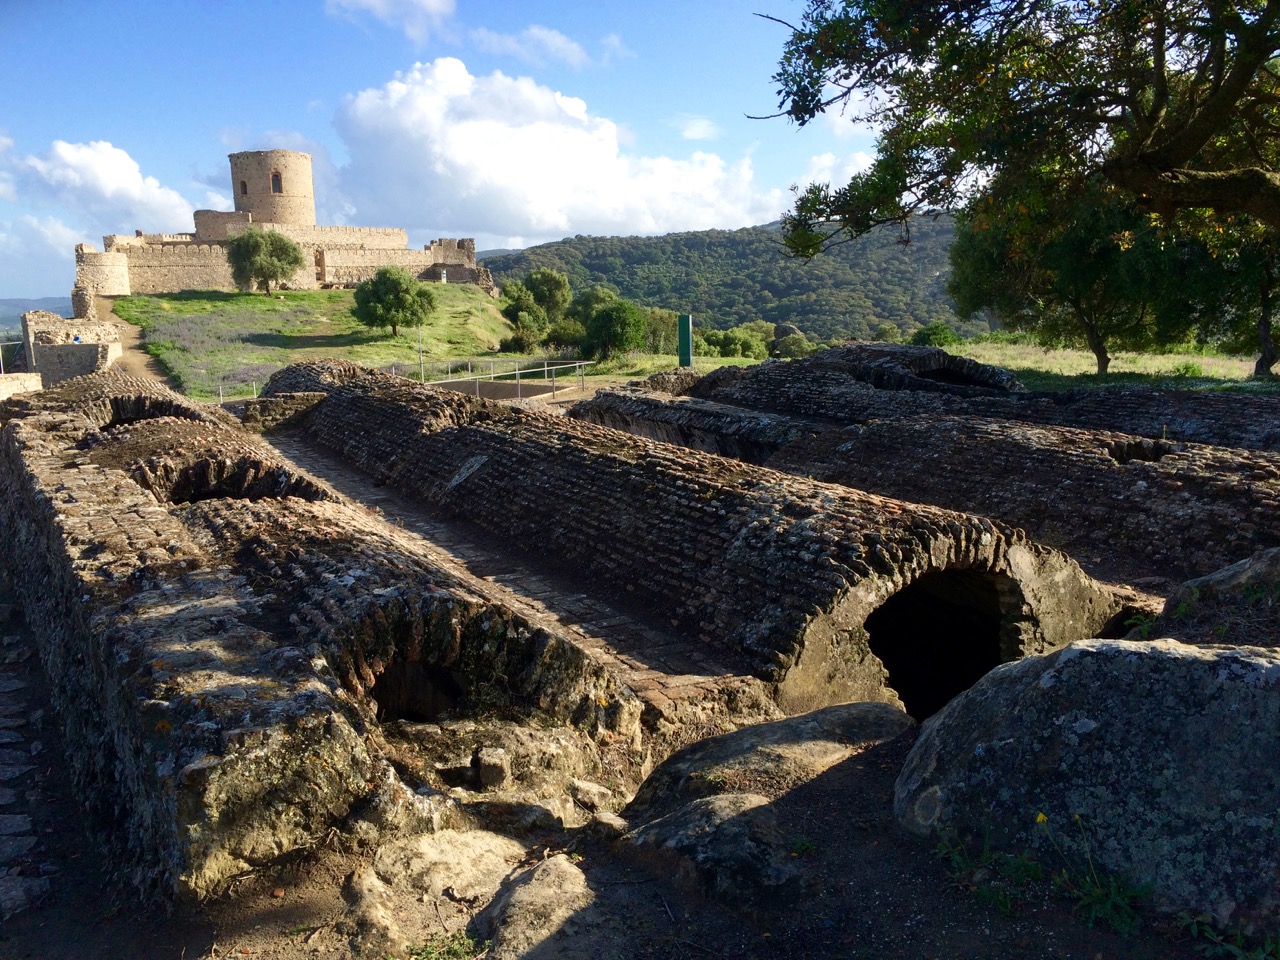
pixel 1153 507
pixel 273 190
pixel 781 572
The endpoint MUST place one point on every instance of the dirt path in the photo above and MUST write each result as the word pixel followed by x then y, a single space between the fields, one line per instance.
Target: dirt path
pixel 134 359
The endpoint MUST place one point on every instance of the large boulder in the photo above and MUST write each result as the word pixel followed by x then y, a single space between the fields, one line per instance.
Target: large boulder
pixel 1238 605
pixel 1155 760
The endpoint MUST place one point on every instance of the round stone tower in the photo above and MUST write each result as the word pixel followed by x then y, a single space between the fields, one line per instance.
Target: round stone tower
pixel 275 186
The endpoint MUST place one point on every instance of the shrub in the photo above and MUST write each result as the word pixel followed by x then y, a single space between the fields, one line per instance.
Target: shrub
pixel 936 334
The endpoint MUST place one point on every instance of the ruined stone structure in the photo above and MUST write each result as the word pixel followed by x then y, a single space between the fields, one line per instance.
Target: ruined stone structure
pixel 1148 506
pixel 848 384
pixel 59 349
pixel 784 574
pixel 273 190
pixel 222 631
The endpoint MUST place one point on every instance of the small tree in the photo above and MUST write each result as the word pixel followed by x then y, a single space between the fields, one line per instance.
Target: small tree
pixel 936 334
pixel 393 298
pixel 615 328
pixel 550 289
pixel 262 257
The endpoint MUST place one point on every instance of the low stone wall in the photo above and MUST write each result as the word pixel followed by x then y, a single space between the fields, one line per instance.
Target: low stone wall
pixel 783 572
pixel 825 387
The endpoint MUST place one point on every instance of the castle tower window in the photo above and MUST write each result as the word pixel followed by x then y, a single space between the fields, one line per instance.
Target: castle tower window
pixel 244 188
pixel 276 185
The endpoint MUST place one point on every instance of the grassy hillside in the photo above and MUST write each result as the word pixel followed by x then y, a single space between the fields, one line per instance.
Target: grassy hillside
pixel 207 339
pixel 728 277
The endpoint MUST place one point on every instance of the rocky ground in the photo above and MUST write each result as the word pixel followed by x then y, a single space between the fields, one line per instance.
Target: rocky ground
pixel 856 884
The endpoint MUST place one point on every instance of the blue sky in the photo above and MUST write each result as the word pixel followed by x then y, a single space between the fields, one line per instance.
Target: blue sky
pixel 511 122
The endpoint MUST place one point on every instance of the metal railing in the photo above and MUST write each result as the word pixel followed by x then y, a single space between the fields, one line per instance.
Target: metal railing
pixel 477 373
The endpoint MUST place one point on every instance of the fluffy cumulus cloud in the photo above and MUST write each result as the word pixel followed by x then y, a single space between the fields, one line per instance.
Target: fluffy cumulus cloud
pixel 440 149
pixel 105 184
pixel 417 18
pixel 534 44
pixel 836 170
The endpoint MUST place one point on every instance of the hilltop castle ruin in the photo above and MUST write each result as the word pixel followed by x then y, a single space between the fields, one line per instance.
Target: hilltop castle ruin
pixel 273 190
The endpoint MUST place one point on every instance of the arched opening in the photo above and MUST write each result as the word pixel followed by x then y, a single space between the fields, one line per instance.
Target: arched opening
pixel 414 691
pixel 938 636
pixel 277 186
pixel 244 188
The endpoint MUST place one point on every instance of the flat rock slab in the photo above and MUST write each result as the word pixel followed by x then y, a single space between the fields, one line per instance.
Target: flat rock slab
pixel 13 847
pixel 18 893
pixel 10 685
pixel 533 911
pixel 11 771
pixel 14 823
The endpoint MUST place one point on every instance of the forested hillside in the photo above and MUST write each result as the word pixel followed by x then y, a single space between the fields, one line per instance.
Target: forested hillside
pixel 728 277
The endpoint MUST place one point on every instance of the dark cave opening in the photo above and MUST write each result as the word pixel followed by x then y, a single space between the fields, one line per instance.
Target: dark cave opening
pixel 414 691
pixel 938 636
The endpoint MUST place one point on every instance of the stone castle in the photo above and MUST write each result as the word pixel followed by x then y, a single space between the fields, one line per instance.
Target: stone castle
pixel 273 190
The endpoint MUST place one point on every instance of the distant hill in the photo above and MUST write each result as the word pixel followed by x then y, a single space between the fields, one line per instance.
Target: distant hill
pixel 11 311
pixel 728 277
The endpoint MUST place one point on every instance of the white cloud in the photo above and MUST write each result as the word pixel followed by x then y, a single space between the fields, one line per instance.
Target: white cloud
pixel 534 44
pixel 417 18
pixel 104 183
pixel 696 128
pixel 216 201
pixel 437 148
pixel 614 49
pixel 828 168
pixel 60 238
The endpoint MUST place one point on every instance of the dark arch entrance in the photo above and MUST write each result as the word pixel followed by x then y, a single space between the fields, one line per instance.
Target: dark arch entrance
pixel 412 690
pixel 938 636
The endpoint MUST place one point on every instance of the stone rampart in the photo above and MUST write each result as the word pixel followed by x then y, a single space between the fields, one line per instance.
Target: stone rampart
pixel 373 238
pixel 812 585
pixel 213 226
pixel 60 349
pixel 102 274
pixel 164 269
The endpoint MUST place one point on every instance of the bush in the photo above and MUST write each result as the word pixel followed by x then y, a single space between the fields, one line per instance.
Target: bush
pixel 566 333
pixel 793 346
pixel 936 334
pixel 887 333
pixel 615 328
pixel 522 341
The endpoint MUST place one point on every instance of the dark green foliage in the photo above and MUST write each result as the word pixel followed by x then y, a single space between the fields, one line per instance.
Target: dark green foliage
pixel 1171 101
pixel 550 290
pixel 727 278
pixel 739 342
pixel 567 334
pixel 796 345
pixel 615 328
pixel 393 298
pixel 259 258
pixel 936 334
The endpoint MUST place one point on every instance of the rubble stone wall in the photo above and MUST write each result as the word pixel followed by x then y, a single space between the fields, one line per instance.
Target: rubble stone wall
pixel 11 383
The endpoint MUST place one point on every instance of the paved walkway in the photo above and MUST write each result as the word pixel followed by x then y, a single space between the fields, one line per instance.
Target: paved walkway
pixel 663 667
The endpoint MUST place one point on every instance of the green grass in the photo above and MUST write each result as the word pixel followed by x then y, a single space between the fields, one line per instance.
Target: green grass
pixel 1060 369
pixel 207 339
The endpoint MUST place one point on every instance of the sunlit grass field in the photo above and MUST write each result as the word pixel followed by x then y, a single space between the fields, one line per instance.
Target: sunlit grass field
pixel 208 340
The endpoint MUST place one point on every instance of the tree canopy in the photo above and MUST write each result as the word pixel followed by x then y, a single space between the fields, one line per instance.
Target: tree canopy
pixel 393 298
pixel 1173 101
pixel 262 257
pixel 726 278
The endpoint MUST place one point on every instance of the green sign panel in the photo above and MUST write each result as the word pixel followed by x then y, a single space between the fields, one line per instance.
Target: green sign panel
pixel 684 337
